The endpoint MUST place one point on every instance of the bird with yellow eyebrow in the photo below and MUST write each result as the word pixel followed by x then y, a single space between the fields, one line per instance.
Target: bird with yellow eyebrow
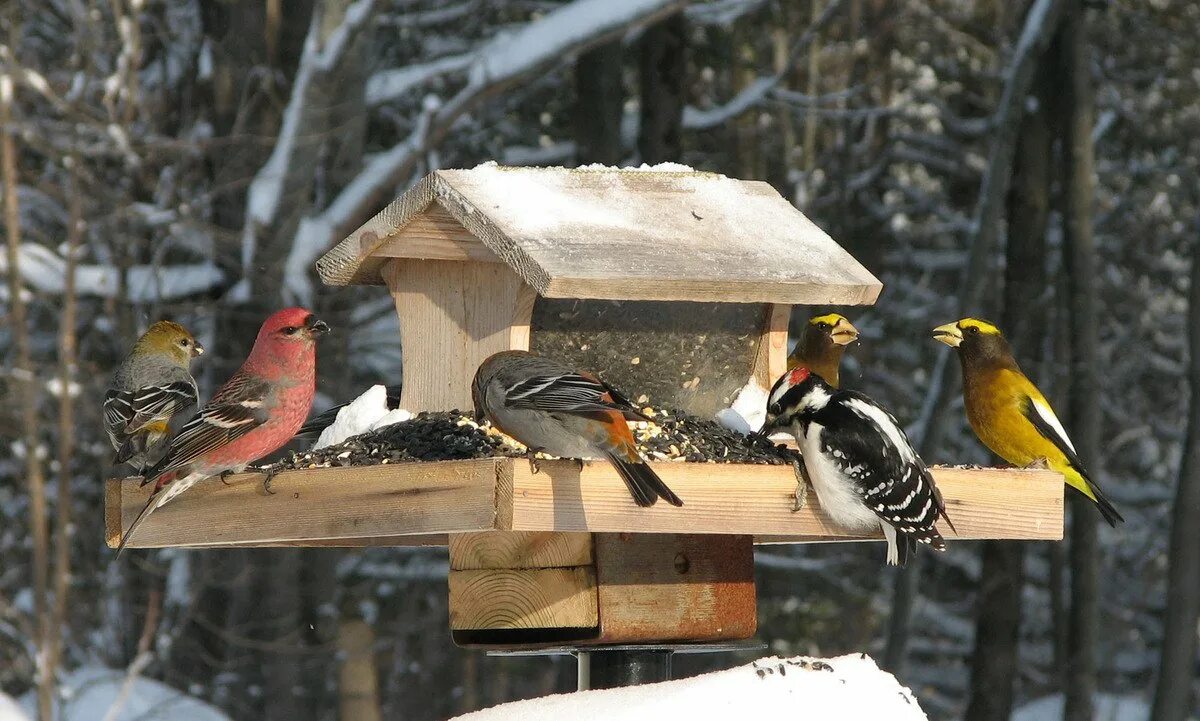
pixel 1009 414
pixel 821 346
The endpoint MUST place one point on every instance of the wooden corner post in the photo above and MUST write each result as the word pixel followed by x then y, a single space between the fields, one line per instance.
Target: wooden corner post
pixel 453 315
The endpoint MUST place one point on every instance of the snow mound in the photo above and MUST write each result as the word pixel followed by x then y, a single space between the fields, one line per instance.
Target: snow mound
pixel 643 168
pixel 10 710
pixel 847 688
pixel 365 413
pixel 91 691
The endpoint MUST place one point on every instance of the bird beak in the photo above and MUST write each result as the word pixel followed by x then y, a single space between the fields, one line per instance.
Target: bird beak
pixel 197 349
pixel 843 333
pixel 316 327
pixel 948 334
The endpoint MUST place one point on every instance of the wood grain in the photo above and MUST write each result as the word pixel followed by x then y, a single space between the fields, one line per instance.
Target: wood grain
pixel 321 506
pixel 757 500
pixel 434 234
pixel 771 360
pixel 675 587
pixel 614 234
pixel 453 315
pixel 369 505
pixel 519 549
pixel 523 599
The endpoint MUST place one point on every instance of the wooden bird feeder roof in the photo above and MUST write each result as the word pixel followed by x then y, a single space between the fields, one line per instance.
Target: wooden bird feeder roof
pixel 668 233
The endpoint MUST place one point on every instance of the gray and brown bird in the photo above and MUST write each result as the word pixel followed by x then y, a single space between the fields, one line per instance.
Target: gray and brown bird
pixel 552 408
pixel 821 346
pixel 151 386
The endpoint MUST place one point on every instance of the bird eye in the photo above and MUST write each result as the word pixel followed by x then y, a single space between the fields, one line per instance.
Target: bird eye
pixel 775 409
pixel 973 330
pixel 823 325
pixel 290 330
pixel 185 342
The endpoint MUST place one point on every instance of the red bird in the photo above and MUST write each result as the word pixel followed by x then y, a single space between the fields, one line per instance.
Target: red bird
pixel 254 414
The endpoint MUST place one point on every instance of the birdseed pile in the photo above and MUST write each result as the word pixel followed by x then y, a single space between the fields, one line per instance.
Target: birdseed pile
pixel 450 435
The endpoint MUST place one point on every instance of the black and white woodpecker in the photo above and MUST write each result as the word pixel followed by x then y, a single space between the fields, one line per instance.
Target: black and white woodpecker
pixel 862 466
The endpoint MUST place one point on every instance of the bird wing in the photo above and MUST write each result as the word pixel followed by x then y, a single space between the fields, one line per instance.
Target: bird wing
pixel 569 393
pixel 867 444
pixel 158 403
pixel 1039 413
pixel 239 407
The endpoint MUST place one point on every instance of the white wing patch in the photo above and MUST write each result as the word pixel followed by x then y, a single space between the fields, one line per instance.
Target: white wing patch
pixel 887 424
pixel 1051 420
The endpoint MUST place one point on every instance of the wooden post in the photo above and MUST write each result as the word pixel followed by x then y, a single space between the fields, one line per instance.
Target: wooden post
pixel 453 315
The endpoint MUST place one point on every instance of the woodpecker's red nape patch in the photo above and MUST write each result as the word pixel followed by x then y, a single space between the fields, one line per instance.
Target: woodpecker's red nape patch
pixel 797 376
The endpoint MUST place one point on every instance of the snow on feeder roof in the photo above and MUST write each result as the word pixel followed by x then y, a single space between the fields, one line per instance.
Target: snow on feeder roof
pixel 656 233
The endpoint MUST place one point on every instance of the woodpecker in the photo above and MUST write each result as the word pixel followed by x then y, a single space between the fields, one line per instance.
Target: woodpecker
pixel 862 466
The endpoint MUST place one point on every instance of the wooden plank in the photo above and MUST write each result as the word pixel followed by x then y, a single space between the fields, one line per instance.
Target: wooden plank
pixel 771 361
pixel 491 599
pixel 453 315
pixel 757 500
pixel 519 549
pixel 675 587
pixel 433 234
pixel 376 505
pixel 616 234
pixel 320 506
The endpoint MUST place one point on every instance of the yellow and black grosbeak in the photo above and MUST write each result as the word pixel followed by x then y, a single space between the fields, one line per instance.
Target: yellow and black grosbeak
pixel 821 346
pixel 1007 411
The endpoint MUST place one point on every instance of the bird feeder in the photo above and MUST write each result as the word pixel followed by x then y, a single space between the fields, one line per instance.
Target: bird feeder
pixel 674 286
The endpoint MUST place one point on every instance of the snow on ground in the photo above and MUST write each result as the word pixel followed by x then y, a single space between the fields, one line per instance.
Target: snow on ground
pixel 847 688
pixel 1108 708
pixel 365 413
pixel 91 692
pixel 10 710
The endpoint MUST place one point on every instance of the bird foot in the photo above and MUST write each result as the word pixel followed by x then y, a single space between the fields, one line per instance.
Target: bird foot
pixel 268 476
pixel 579 464
pixel 801 495
pixel 1039 464
pixel 224 475
pixel 535 466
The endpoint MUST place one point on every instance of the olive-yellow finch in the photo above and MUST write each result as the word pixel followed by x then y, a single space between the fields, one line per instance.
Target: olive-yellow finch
pixel 821 346
pixel 150 387
pixel 1007 411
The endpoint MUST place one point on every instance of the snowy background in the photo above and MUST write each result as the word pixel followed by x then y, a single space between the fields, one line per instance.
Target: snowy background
pixel 190 159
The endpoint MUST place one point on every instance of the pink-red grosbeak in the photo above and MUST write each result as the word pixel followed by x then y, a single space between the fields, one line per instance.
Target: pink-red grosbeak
pixel 151 387
pixel 255 413
pixel 551 408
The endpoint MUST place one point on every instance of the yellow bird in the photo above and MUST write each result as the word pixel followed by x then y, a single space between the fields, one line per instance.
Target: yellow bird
pixel 1007 411
pixel 821 346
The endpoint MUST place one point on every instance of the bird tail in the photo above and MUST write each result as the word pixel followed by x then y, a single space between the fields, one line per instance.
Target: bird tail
pixel 151 504
pixel 644 484
pixel 1087 487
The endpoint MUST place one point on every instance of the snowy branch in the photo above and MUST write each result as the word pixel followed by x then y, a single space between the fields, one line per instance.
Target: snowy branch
pixel 499 64
pixel 45 271
pixel 389 85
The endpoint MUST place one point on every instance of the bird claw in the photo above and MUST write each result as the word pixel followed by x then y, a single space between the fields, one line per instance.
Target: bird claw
pixel 224 475
pixel 579 464
pixel 801 495
pixel 1039 464
pixel 268 476
pixel 535 466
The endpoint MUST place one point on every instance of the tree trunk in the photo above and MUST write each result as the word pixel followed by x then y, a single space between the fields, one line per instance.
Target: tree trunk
pixel 358 679
pixel 1080 255
pixel 1173 694
pixel 994 659
pixel 27 399
pixel 599 105
pixel 663 72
